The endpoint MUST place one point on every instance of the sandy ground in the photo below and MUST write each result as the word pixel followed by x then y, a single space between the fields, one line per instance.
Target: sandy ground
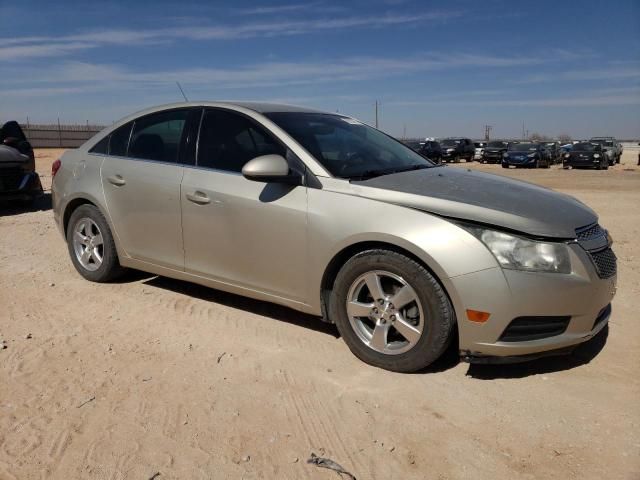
pixel 152 376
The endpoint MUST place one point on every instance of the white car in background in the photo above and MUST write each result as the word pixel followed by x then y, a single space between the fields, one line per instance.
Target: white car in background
pixel 477 155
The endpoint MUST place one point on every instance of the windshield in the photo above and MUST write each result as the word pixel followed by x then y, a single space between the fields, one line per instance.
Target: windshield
pixel 346 147
pixel 449 143
pixel 497 144
pixel 522 147
pixel 584 147
pixel 608 144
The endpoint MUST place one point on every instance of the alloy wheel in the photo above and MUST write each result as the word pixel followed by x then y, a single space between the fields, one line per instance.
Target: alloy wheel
pixel 385 312
pixel 88 244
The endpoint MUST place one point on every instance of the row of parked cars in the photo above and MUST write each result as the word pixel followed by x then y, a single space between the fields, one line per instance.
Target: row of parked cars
pixel 597 152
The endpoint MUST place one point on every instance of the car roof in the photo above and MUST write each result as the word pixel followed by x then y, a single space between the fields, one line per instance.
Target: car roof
pixel 260 107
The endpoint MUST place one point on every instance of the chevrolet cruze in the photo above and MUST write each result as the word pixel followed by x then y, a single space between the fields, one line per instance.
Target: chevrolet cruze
pixel 326 215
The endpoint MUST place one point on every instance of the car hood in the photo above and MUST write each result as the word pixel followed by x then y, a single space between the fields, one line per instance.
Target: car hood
pixel 484 198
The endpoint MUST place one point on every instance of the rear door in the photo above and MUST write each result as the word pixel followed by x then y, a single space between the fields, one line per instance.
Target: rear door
pixel 250 234
pixel 141 178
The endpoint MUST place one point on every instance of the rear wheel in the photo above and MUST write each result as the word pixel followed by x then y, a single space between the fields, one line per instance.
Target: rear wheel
pixel 91 245
pixel 391 312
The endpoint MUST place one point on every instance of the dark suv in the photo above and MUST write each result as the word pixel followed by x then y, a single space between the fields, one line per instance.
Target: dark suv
pixel 494 151
pixel 432 150
pixel 18 177
pixel 454 149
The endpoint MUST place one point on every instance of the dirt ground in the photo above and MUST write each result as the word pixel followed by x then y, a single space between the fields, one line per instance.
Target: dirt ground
pixel 157 378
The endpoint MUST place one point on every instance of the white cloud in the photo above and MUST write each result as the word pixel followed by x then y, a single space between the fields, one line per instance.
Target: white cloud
pixel 32 46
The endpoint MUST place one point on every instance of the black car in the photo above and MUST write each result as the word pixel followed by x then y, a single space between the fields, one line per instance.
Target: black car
pixel 432 150
pixel 586 154
pixel 494 150
pixel 18 177
pixel 455 149
pixel 526 154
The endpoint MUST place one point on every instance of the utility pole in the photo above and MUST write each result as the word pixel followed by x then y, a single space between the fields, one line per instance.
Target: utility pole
pixel 523 137
pixel 376 113
pixel 404 131
pixel 487 132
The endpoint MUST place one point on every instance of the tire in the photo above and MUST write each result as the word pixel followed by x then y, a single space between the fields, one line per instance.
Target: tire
pixel 505 165
pixel 108 268
pixel 431 308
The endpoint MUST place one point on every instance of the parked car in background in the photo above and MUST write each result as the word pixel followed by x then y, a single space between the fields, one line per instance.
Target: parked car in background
pixel 415 145
pixel 611 148
pixel 586 154
pixel 554 151
pixel 494 151
pixel 479 150
pixel 456 149
pixel 432 150
pixel 526 154
pixel 274 202
pixel 19 180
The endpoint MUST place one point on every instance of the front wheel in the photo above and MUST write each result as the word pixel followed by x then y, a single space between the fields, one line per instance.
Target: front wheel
pixel 391 312
pixel 91 245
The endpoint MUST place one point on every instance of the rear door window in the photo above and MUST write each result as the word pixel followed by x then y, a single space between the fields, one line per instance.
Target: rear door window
pixel 158 136
pixel 119 140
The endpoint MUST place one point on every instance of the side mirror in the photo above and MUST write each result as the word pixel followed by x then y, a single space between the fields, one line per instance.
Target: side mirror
pixel 270 168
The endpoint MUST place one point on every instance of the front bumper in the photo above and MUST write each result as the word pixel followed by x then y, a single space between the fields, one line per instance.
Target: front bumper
pixel 519 162
pixel 581 296
pixel 581 162
pixel 492 157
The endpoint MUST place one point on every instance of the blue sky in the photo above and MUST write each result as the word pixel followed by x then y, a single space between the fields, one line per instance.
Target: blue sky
pixel 437 68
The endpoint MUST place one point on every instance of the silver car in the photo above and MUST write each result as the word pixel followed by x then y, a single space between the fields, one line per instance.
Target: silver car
pixel 326 215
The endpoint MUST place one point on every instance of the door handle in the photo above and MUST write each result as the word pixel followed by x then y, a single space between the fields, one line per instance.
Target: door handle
pixel 198 197
pixel 116 180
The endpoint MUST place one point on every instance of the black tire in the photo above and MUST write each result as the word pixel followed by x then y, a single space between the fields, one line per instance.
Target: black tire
pixel 438 311
pixel 110 268
pixel 504 165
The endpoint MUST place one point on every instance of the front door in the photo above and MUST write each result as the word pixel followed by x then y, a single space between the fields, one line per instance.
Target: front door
pixel 237 231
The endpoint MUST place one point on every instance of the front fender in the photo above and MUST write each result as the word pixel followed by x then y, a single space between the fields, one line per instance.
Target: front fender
pixel 338 221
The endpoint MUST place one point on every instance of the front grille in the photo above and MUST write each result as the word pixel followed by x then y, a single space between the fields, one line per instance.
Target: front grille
pixel 605 262
pixel 522 329
pixel 589 232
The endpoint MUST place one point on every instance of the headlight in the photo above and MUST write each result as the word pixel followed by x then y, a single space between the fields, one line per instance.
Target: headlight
pixel 449 150
pixel 519 253
pixel 566 155
pixel 596 155
pixel 505 155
